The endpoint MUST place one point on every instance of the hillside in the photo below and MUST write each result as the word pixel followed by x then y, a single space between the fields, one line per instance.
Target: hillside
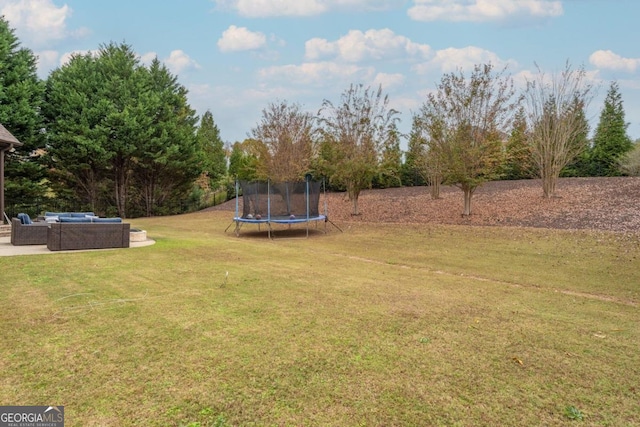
pixel 611 204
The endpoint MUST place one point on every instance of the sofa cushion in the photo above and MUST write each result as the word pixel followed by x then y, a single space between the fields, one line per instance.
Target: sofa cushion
pixel 24 218
pixel 74 219
pixel 108 220
pixel 69 214
pixel 80 214
pixel 56 214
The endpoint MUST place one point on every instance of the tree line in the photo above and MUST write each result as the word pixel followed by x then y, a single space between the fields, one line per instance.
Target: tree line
pixel 472 129
pixel 106 133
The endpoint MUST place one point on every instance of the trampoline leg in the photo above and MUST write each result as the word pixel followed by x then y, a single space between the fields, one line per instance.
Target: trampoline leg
pixel 332 223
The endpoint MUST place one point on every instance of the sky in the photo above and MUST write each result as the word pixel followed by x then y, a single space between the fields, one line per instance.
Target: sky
pixel 235 57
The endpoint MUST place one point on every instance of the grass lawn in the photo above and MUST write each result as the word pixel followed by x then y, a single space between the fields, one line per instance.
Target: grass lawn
pixel 382 325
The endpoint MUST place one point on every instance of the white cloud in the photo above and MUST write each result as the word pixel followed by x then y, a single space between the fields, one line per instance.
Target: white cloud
pixel 357 46
pixel 267 8
pixel 388 80
pixel 317 73
pixel 66 57
pixel 240 38
pixel 270 8
pixel 147 58
pixel 405 104
pixel 482 10
pixel 47 60
pixel 38 22
pixel 178 62
pixel 452 59
pixel 608 60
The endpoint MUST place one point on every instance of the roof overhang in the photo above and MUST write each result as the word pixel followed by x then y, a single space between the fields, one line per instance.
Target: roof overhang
pixel 7 141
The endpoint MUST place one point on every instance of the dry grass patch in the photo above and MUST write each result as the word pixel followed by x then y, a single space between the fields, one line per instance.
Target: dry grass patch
pixel 379 325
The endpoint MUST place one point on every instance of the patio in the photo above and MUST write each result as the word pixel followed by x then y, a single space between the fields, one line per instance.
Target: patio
pixel 7 249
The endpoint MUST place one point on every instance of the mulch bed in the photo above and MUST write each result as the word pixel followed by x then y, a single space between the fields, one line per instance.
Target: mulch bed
pixel 606 204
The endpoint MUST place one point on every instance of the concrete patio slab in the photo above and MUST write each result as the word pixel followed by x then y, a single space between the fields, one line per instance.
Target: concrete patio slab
pixel 7 249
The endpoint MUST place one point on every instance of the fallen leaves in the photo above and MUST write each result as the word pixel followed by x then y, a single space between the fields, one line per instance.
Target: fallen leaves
pixel 606 204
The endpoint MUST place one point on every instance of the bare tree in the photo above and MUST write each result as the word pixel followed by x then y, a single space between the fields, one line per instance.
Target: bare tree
pixel 355 130
pixel 464 125
pixel 555 113
pixel 283 142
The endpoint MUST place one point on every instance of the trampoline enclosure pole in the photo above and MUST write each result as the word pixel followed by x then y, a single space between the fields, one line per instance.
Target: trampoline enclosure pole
pixel 236 198
pixel 269 206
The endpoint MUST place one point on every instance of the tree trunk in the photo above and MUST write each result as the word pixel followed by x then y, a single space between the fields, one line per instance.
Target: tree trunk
pixel 354 193
pixel 434 184
pixel 468 194
pixel 121 182
pixel 549 182
pixel 355 206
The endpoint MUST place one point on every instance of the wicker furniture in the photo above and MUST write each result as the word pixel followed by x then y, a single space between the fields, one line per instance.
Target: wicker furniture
pixel 71 235
pixel 28 234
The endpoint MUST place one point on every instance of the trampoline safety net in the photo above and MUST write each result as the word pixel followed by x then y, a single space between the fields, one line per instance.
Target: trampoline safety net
pixel 280 199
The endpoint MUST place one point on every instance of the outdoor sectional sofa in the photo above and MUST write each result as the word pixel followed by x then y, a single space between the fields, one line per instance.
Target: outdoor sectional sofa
pixel 64 236
pixel 67 231
pixel 25 232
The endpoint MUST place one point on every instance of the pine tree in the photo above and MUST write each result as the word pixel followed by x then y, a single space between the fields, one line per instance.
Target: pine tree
pixel 21 95
pixel 579 166
pixel 630 162
pixel 77 157
pixel 413 158
pixel 610 141
pixel 169 161
pixel 120 134
pixel 389 169
pixel 518 163
pixel 215 160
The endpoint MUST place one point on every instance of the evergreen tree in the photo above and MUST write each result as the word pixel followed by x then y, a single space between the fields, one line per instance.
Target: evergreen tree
pixel 580 166
pixel 77 153
pixel 518 163
pixel 120 134
pixel 169 161
pixel 412 173
pixel 390 163
pixel 610 141
pixel 242 164
pixel 630 162
pixel 215 159
pixel 21 96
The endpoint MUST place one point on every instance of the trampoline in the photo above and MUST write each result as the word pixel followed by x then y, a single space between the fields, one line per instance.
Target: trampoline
pixel 271 203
